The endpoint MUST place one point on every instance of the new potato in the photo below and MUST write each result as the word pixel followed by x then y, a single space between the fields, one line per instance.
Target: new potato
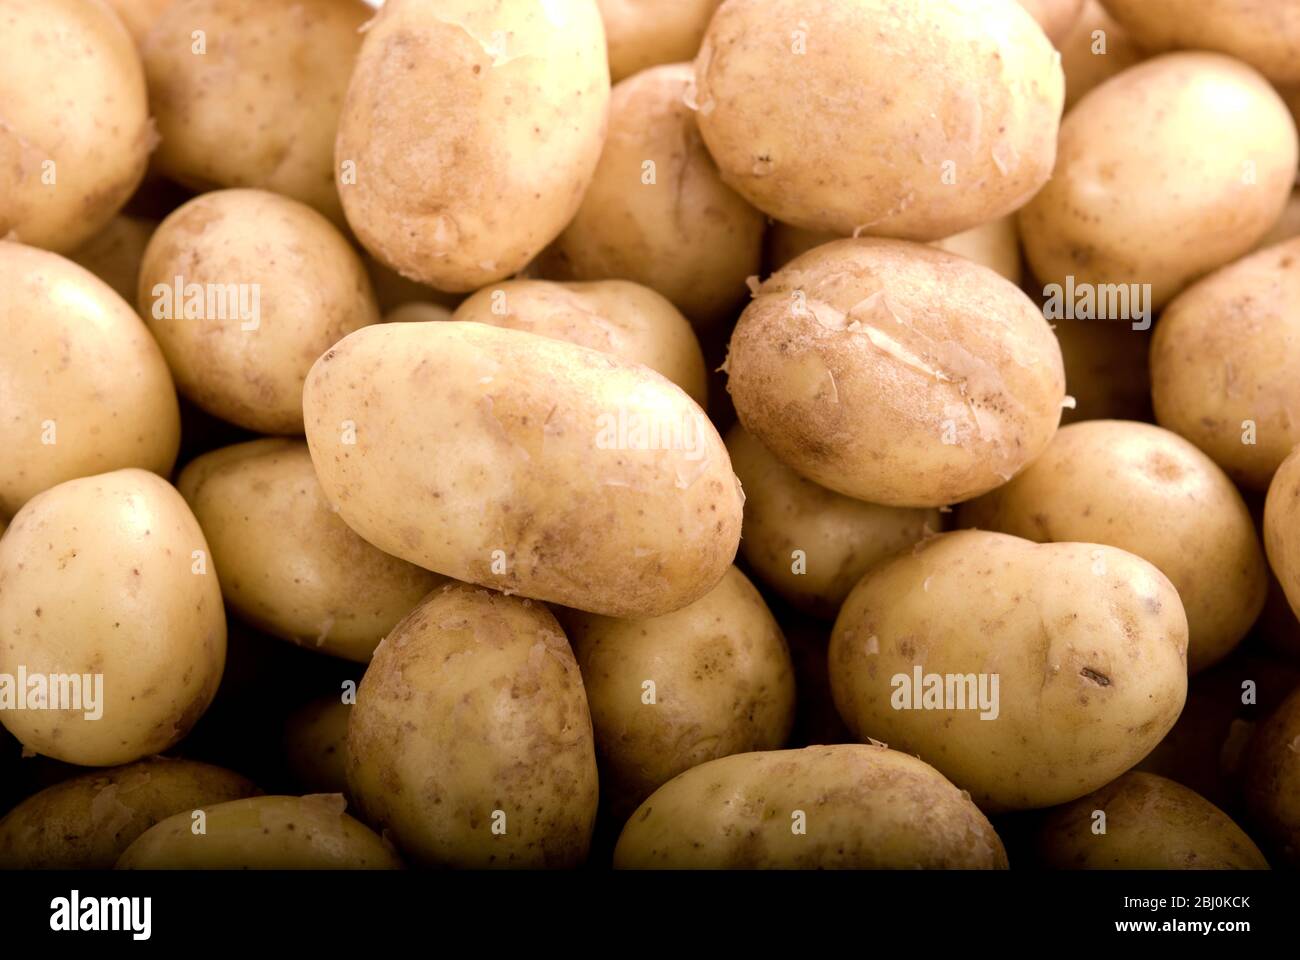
pixel 1282 527
pixel 1271 779
pixel 643 33
pixel 316 745
pixel 1056 17
pixel 116 252
pixel 1094 49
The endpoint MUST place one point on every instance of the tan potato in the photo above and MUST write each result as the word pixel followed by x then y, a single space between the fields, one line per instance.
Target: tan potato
pixel 138 16
pixel 286 561
pixel 1271 779
pixel 1056 17
pixel 106 578
pixel 87 822
pixel 392 290
pixel 895 373
pixel 1286 227
pixel 1106 370
pixel 1150 492
pixel 861 807
pixel 418 313
pixel 471 741
pixel 646 33
pixel 1282 527
pixel 316 745
pixel 1102 220
pixel 846 115
pixel 446 98
pixel 83 387
pixel 244 290
pixel 116 252
pixel 1094 49
pixel 1027 674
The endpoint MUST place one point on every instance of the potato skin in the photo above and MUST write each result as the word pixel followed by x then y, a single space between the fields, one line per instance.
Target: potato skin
pixel 118 596
pixel 1271 779
pixel 1090 656
pixel 644 33
pixel 1282 528
pixel 116 252
pixel 866 807
pixel 858 361
pixel 1056 17
pixel 445 97
pixel 87 822
pixel 1085 69
pixel 1148 491
pixel 828 138
pixel 138 16
pixel 537 494
pixel 474 704
pixel 316 745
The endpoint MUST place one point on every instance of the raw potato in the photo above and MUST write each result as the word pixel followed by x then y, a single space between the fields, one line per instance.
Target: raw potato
pixel 864 807
pixel 722 683
pixel 75 135
pixel 627 320
pixel 685 233
pixel 1150 492
pixel 116 252
pixel 418 313
pixel 864 115
pixel 393 290
pixel 107 576
pixel 138 16
pixel 1101 221
pixel 471 131
pixel 286 561
pixel 526 464
pixel 83 387
pixel 263 833
pixel 1151 824
pixel 896 373
pixel 1286 227
pixel 645 33
pixel 1282 528
pixel 1090 58
pixel 87 822
pixel 1106 370
pixel 267 285
pixel 1225 372
pixel 470 740
pixel 837 537
pixel 1271 779
pixel 316 745
pixel 1087 645
pixel 1056 17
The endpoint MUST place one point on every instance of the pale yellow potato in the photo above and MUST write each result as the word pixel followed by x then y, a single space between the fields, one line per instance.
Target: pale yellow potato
pixel 1286 227
pixel 116 252
pixel 859 807
pixel 316 745
pixel 470 741
pixel 418 313
pixel 87 822
pixel 657 211
pixel 469 133
pixel 263 833
pixel 896 373
pixel 1106 370
pixel 526 464
pixel 83 387
pixel 138 16
pixel 392 290
pixel 75 134
pixel 110 576
pixel 266 286
pixel 672 692
pixel 1094 49
pixel 1056 17
pixel 1148 491
pixel 625 319
pixel 913 121
pixel 808 544
pixel 1136 196
pixel 1282 528
pixel 1087 645
pixel 1225 369
pixel 286 562
pixel 646 33
pixel 1271 779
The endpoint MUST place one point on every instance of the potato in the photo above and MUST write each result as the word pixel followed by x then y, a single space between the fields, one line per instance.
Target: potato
pixel 657 211
pixel 1102 220
pixel 107 587
pixel 75 135
pixel 1087 642
pixel 1094 49
pixel 316 745
pixel 853 116
pixel 1056 17
pixel 138 16
pixel 1282 528
pixel 263 833
pixel 816 720
pixel 469 133
pixel 627 320
pixel 244 290
pixel 418 313
pixel 115 253
pixel 87 822
pixel 1150 492
pixel 1224 370
pixel 83 387
pixel 809 544
pixel 1147 823
pixel 393 290
pixel 672 692
pixel 286 562
pixel 896 373
pixel 561 473
pixel 1106 370
pixel 1271 778
pixel 849 806
pixel 1286 227
pixel 645 33
pixel 471 741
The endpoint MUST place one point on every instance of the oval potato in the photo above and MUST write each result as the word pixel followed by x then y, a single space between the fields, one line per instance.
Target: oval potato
pixel 1094 49
pixel 316 745
pixel 1282 528
pixel 1271 779
pixel 116 252
pixel 1056 17
pixel 645 33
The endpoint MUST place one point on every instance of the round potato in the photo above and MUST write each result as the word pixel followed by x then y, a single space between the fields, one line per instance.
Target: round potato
pixel 896 373
pixel 1287 226
pixel 244 290
pixel 116 252
pixel 850 806
pixel 83 387
pixel 418 313
pixel 1106 370
pixel 1056 17
pixel 471 741
pixel 645 33
pixel 445 100
pixel 1271 779
pixel 1282 528
pixel 138 16
pixel 113 615
pixel 286 562
pixel 316 745
pixel 1028 674
pixel 854 117
pixel 1094 49
pixel 1101 222
pixel 392 290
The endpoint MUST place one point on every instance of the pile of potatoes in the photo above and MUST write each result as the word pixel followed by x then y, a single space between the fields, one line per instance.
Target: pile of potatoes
pixel 717 434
